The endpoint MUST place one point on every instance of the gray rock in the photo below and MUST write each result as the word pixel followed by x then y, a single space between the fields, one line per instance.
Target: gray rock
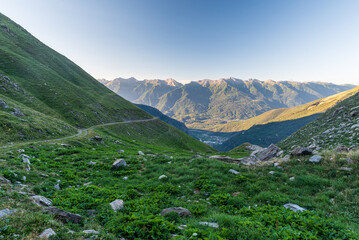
pixel 17 113
pixel 355 126
pixel 301 151
pixel 3 104
pixel 141 153
pixel 4 180
pixel 119 163
pixel 294 207
pixel 182 212
pixel 233 171
pixel 341 148
pixel 6 212
pixel 118 142
pixel 162 176
pixel 269 153
pixel 116 205
pixel 315 158
pixel 120 151
pixel 346 169
pixel 91 163
pixel 41 201
pixel 47 233
pixel 209 224
pixel 57 186
pixel 90 231
pixel 97 138
pixel 63 215
pixel 354 113
pixel 353 148
pixel 292 178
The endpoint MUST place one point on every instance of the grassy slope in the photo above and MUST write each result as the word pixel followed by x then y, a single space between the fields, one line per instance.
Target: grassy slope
pixel 32 126
pixel 61 88
pixel 284 114
pixel 222 197
pixel 340 123
pixel 45 81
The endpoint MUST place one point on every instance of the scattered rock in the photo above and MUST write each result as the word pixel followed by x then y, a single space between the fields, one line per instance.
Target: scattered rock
pixel 162 176
pixel 64 216
pixel 181 227
pixel 120 151
pixel 233 171
pixel 17 113
pixel 292 178
pixel 118 204
pixel 4 180
pixel 3 104
pixel 119 163
pixel 141 153
pixel 338 110
pixel 315 158
pixel 21 151
pixel 6 212
pixel 294 207
pixel 57 186
pixel 125 178
pixel 118 142
pixel 209 224
pixel 354 113
pixel 341 148
pixel 301 151
pixel 271 172
pixel 222 158
pixel 91 163
pixel 353 148
pixel 41 201
pixel 182 212
pixel 346 169
pixel 90 231
pixel 355 126
pixel 269 153
pixel 97 138
pixel 349 161
pixel 65 145
pixel 47 233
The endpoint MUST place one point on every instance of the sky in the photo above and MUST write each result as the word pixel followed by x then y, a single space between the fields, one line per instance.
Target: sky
pixel 297 40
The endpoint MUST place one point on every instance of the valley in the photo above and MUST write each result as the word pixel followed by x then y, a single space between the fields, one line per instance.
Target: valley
pixel 125 159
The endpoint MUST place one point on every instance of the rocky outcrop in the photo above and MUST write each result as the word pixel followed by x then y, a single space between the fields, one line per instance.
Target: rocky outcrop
pixel 182 212
pixel 63 215
pixel 271 152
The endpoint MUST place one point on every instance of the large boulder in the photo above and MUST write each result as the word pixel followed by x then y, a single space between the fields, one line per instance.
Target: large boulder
pixel 301 151
pixel 63 215
pixel 119 163
pixel 182 212
pixel 269 153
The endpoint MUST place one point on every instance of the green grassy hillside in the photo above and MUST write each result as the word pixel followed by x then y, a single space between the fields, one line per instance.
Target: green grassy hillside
pixel 54 85
pixel 284 114
pixel 337 126
pixel 31 125
pixel 245 206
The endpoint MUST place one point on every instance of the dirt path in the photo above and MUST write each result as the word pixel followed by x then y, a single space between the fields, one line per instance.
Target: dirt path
pixel 83 132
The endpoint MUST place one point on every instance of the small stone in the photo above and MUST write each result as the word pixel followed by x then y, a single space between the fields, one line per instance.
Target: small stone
pixel 346 169
pixel 47 233
pixel 294 207
pixel 116 205
pixel 63 215
pixel 4 180
pixel 162 176
pixel 181 227
pixel 91 163
pixel 292 178
pixel 3 104
pixel 315 158
pixel 120 151
pixel 90 231
pixel 209 224
pixel 17 113
pixel 97 138
pixel 41 201
pixel 300 151
pixel 233 171
pixel 57 186
pixel 6 212
pixel 125 178
pixel 21 151
pixel 182 212
pixel 276 164
pixel 271 172
pixel 119 163
pixel 141 153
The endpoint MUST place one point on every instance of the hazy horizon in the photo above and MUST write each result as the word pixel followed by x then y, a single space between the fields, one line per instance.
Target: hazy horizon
pixel 300 41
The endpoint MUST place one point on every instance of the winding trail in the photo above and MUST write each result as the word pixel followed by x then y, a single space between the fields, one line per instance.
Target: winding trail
pixel 82 132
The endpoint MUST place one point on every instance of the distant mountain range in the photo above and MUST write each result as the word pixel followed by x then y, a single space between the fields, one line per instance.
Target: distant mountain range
pixel 202 104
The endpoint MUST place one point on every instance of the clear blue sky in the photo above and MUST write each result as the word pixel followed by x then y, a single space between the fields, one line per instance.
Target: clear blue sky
pixel 300 40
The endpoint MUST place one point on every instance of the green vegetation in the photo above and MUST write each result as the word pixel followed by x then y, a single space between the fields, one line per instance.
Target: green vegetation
pixel 245 206
pixel 335 127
